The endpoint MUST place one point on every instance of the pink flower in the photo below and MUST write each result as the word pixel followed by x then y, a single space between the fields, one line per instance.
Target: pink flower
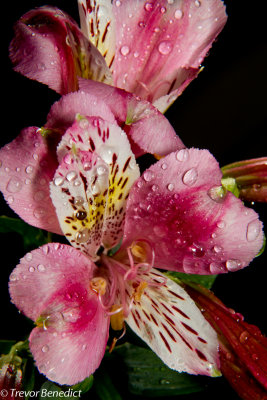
pixel 243 348
pixel 150 48
pixel 250 177
pixel 176 216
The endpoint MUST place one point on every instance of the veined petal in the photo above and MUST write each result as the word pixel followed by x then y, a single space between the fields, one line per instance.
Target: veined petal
pixel 49 47
pixel 27 166
pixel 98 25
pixel 145 126
pixel 194 224
pixel 160 41
pixel 168 320
pixel 96 172
pixel 51 285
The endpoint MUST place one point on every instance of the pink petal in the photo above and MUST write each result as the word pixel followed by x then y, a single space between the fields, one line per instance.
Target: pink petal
pixel 51 285
pixel 177 206
pixel 90 187
pixel 63 112
pixel 26 170
pixel 159 42
pixel 168 320
pixel 145 126
pixel 49 47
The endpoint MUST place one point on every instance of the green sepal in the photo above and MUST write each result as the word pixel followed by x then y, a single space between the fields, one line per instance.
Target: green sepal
pixel 204 280
pixel 230 185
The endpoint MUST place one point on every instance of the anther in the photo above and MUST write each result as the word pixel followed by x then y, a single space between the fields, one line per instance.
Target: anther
pixel 99 285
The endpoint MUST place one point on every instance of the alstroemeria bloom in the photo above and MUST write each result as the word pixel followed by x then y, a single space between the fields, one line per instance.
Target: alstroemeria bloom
pixel 243 348
pixel 150 48
pixel 175 216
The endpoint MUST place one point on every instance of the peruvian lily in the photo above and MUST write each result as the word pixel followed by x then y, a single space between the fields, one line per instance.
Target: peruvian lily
pixel 151 48
pixel 250 177
pixel 243 348
pixel 176 216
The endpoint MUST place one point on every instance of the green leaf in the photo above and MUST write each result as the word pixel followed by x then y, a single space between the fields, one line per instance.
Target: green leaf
pixel 32 237
pixel 148 376
pixel 50 390
pixel 204 280
pixel 85 385
pixel 104 386
pixel 28 377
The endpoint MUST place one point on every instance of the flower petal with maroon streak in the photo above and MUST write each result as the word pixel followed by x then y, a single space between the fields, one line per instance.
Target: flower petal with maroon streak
pixel 160 43
pixel 27 166
pixel 168 320
pixel 49 47
pixel 145 126
pixel 92 183
pixel 194 226
pixel 52 285
pixel 98 25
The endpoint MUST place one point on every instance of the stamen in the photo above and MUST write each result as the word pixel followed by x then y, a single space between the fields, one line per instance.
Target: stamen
pixel 99 285
pixel 114 341
pixel 117 317
pixel 139 290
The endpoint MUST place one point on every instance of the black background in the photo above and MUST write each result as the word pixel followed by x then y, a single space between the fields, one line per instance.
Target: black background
pixel 223 110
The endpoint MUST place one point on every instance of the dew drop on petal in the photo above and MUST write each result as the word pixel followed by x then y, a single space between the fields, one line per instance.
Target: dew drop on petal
pixel 148 6
pixel 41 268
pixel 221 224
pixel 82 236
pixel 253 230
pixel 154 188
pixel 243 337
pixel 165 47
pixel 28 257
pixel 170 187
pixel 10 199
pixel 164 166
pixel 163 10
pixel 233 265
pixel 58 181
pixel 190 177
pixel 78 201
pixel 148 176
pixel 39 212
pixel 29 169
pixel 71 176
pixel 197 3
pixel 217 194
pixel 178 14
pixel 217 249
pixel 14 185
pixel 182 155
pixel 125 50
pixel 45 348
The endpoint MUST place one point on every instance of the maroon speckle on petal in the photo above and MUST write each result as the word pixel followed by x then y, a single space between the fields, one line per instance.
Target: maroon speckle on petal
pixel 201 355
pixel 165 342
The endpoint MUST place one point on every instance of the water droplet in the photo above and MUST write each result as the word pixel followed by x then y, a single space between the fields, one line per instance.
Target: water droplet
pixel 182 155
pixel 46 250
pixel 10 199
pixel 14 185
pixel 136 54
pixel 197 3
pixel 58 181
pixel 165 47
pixel 28 257
pixel 71 176
pixel 29 169
pixel 163 10
pixel 164 166
pixel 68 157
pixel 197 251
pixel 154 188
pixel 164 382
pixel 255 357
pixel 102 170
pixel 82 236
pixel 243 337
pixel 170 187
pixel 84 347
pixel 217 194
pixel 81 214
pixel 221 224
pixel 214 268
pixel 178 14
pixel 233 265
pixel 117 3
pixel 190 177
pixel 45 348
pixel 13 277
pixel 148 6
pixel 217 249
pixel 253 230
pixel 41 268
pixel 78 201
pixel 71 315
pixel 39 212
pixel 125 50
pixel 148 175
